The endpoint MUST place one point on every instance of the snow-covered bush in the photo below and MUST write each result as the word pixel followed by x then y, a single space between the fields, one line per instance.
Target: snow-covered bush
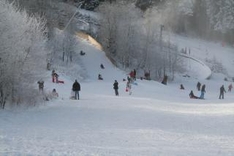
pixel 216 66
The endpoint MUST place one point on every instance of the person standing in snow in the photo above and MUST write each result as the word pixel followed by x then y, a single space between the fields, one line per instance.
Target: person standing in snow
pixel 40 85
pixel 203 90
pixel 53 77
pixel 56 77
pixel 198 86
pixel 164 81
pixel 230 88
pixel 116 87
pixel 76 89
pixel 54 93
pixel 129 87
pixel 128 79
pixel 222 90
pixel 134 72
pixel 132 75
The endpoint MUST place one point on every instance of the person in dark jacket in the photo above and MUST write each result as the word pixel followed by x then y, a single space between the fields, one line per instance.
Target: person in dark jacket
pixel 134 72
pixel 192 96
pixel 222 90
pixel 116 87
pixel 181 86
pixel 76 89
pixel 100 77
pixel 40 85
pixel 164 81
pixel 82 53
pixel 198 86
pixel 102 66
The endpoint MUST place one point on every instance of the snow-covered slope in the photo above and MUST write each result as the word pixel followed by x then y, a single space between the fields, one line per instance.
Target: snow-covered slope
pixel 154 120
pixel 208 51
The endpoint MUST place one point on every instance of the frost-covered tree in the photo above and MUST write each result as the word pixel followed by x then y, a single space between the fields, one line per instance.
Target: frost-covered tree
pixel 221 14
pixel 23 57
pixel 131 40
pixel 118 32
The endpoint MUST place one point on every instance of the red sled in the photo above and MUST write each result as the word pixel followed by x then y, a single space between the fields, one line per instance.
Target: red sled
pixel 60 81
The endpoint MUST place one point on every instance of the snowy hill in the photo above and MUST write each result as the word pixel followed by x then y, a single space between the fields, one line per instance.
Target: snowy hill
pixel 154 120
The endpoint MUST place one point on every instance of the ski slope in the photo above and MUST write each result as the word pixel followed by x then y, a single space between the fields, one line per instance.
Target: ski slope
pixel 156 120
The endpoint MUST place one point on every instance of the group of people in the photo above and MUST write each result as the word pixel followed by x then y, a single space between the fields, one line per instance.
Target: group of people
pixel 41 89
pixel 199 88
pixel 54 80
pixel 130 79
pixel 203 91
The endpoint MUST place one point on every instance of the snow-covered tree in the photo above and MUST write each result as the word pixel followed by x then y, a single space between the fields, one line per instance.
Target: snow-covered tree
pixel 23 57
pixel 221 14
pixel 131 39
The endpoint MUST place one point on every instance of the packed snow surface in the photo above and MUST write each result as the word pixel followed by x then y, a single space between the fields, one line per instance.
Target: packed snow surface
pixel 156 120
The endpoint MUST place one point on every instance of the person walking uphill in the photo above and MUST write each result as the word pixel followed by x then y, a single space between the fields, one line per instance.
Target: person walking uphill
pixel 116 87
pixel 76 89
pixel 222 90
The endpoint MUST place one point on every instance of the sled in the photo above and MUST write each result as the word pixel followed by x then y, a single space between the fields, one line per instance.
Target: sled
pixel 60 81
pixel 72 97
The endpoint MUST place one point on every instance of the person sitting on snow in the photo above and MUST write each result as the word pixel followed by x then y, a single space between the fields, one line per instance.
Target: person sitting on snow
pixel 181 86
pixel 82 53
pixel 54 93
pixel 100 77
pixel 192 96
pixel 102 66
